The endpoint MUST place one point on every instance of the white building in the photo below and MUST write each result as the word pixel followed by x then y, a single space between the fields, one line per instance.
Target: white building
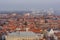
pixel 22 36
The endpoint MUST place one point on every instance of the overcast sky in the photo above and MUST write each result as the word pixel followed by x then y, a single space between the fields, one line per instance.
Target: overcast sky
pixel 29 4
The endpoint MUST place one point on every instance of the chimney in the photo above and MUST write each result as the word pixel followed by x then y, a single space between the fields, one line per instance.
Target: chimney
pixel 27 29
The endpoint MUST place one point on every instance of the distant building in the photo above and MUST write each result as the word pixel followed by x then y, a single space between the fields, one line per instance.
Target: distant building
pixel 22 36
pixel 27 14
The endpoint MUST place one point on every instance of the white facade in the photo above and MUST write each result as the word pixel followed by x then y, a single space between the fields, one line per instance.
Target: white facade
pixel 22 36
